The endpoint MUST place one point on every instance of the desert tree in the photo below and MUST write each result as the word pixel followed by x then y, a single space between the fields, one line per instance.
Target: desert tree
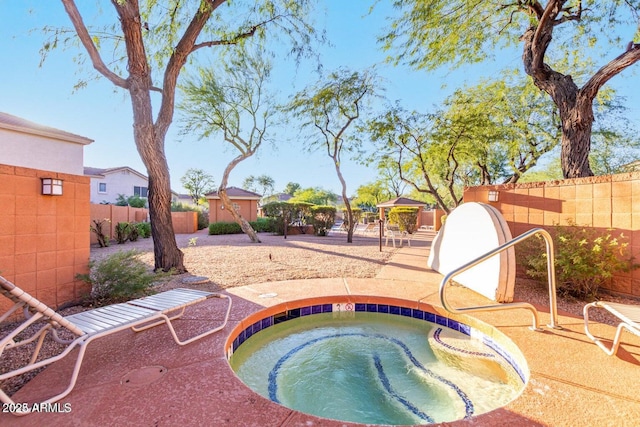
pixel 490 133
pixel 291 188
pixel 231 101
pixel 144 50
pixel 262 184
pixel 327 110
pixel 429 34
pixel 197 183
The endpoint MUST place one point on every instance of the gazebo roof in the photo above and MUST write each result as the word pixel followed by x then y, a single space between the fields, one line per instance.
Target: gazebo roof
pixel 401 201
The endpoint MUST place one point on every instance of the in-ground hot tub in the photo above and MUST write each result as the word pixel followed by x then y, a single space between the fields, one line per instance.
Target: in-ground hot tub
pixel 376 360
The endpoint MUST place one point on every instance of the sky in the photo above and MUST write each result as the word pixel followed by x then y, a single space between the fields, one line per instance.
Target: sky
pixel 45 95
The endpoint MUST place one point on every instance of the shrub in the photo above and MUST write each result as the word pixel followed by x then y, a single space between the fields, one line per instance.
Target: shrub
pixel 405 218
pixel 217 228
pixel 133 232
pixel 119 277
pixel 122 232
pixel 322 219
pixel 585 259
pixel 144 229
pixel 97 227
pixel 263 225
pixel 357 215
pixel 133 201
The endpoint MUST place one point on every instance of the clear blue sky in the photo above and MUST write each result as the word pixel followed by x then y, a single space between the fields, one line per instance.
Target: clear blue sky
pixel 101 112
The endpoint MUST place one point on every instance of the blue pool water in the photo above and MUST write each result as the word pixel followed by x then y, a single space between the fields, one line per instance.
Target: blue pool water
pixel 376 368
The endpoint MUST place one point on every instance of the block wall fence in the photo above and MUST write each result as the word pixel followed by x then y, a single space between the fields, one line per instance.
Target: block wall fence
pixel 44 240
pixel 183 222
pixel 603 202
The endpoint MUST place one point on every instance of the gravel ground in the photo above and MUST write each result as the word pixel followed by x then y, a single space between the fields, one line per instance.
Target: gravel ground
pixel 232 260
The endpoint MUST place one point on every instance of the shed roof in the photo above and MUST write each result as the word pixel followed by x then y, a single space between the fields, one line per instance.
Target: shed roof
pixel 236 193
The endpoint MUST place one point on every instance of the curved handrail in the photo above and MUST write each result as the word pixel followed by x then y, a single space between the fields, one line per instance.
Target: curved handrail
pixel 551 277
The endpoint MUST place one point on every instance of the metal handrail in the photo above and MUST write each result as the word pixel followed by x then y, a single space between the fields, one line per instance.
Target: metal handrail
pixel 551 277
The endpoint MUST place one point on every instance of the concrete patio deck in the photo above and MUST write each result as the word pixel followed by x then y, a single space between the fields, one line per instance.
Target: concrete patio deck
pixel 147 380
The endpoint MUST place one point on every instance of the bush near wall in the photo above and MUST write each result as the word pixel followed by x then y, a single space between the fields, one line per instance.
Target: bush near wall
pixel 298 212
pixel 405 218
pixel 262 225
pixel 585 259
pixel 322 219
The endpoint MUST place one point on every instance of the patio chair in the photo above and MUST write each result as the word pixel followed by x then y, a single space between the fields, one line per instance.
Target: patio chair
pixel 629 316
pixel 84 327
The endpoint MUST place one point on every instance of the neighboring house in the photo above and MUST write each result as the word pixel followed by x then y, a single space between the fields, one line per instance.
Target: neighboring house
pixel 245 202
pixel 108 184
pixel 185 199
pixel 28 144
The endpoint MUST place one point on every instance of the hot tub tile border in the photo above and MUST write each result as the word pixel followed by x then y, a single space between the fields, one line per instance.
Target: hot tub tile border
pixel 273 317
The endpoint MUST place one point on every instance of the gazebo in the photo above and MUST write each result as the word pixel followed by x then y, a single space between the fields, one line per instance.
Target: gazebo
pixel 401 202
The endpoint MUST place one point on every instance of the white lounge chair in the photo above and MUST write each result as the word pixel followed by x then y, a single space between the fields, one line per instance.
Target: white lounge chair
pixel 629 316
pixel 139 315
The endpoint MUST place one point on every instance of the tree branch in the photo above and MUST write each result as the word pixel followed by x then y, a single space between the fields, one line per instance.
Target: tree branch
pixel 85 38
pixel 614 67
pixel 235 39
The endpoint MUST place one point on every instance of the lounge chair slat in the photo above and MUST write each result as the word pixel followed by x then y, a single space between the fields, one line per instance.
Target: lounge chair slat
pixel 138 315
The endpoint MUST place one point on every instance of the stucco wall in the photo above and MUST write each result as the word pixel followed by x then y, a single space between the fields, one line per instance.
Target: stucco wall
pixel 247 208
pixel 44 240
pixel 41 152
pixel 603 202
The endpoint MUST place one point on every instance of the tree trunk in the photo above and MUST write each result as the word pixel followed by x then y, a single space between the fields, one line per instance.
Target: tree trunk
pixel 150 145
pixel 226 202
pixel 345 199
pixel 575 106
pixel 244 224
pixel 576 141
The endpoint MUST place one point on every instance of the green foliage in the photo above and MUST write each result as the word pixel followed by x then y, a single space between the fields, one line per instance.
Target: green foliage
pixel 217 228
pixel 322 219
pixel 133 201
pixel 97 228
pixel 119 277
pixel 263 225
pixel 405 218
pixel 197 183
pixel 291 188
pixel 144 229
pixel 262 184
pixel 585 259
pixel 429 34
pixel 294 213
pixel 123 230
pixel 133 232
pixel 355 212
pixel 315 196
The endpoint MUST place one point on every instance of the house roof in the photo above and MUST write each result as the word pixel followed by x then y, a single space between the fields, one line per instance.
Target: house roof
pixel 100 172
pixel 17 124
pixel 401 201
pixel 236 193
